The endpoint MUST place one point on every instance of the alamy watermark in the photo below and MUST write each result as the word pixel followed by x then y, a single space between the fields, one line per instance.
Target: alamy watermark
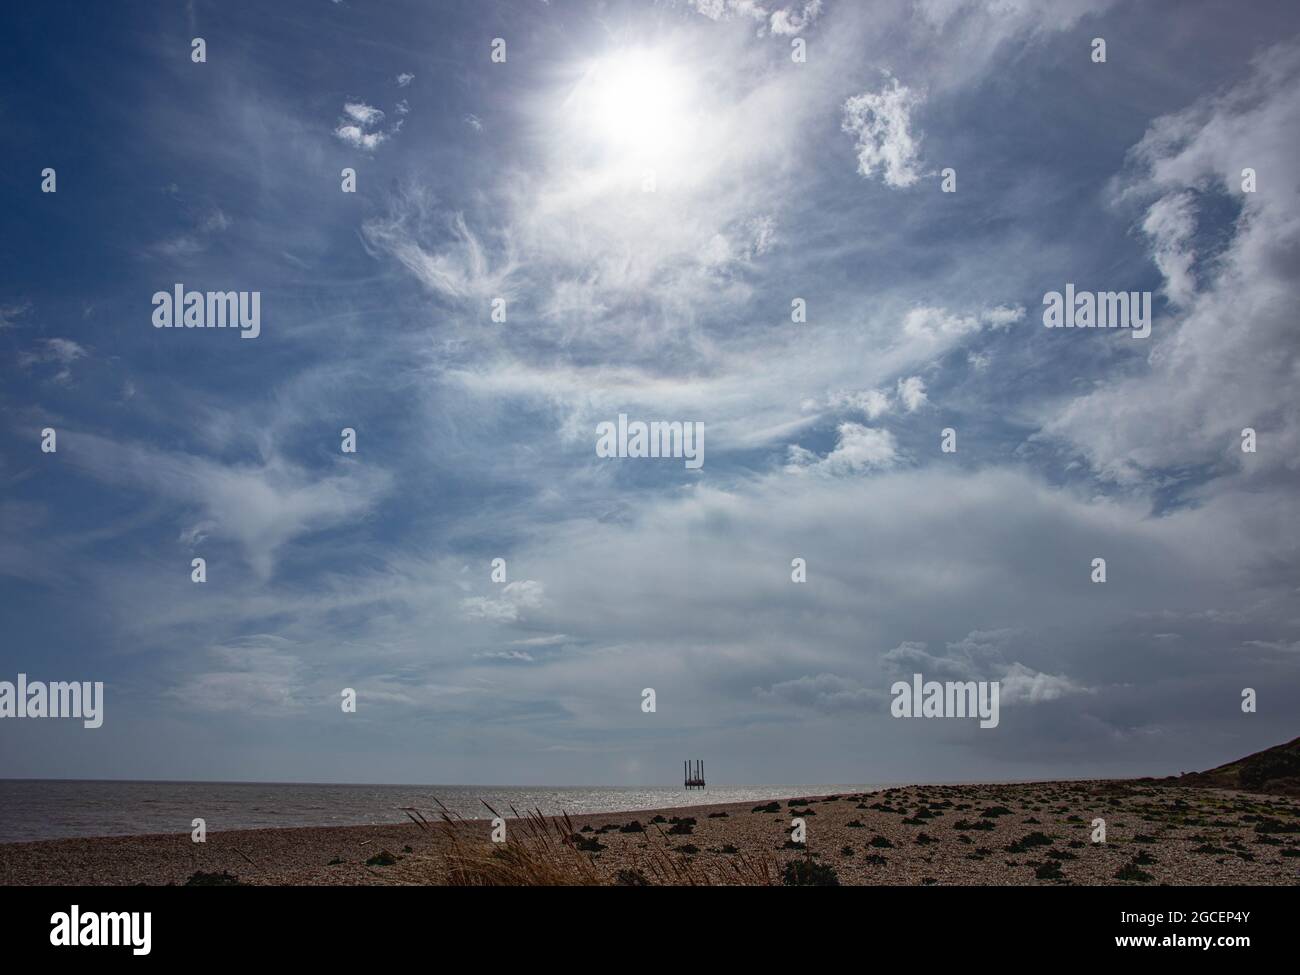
pixel 60 699
pixel 179 308
pixel 72 929
pixel 657 438
pixel 948 699
pixel 1101 309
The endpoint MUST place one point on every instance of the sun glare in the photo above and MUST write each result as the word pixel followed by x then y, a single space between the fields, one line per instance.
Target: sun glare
pixel 634 103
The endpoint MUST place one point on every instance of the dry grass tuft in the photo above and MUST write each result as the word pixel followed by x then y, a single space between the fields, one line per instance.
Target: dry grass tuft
pixel 543 852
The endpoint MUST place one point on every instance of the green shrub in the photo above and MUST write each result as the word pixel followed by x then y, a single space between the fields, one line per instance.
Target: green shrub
pixel 1131 871
pixel 1027 843
pixel 805 873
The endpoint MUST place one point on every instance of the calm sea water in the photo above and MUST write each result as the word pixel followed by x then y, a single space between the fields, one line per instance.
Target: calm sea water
pixel 32 809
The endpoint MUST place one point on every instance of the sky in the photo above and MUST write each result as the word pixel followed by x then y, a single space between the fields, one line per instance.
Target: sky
pixel 649 192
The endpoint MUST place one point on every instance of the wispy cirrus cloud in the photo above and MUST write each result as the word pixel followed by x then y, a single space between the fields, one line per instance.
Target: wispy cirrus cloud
pixel 59 353
pixel 260 505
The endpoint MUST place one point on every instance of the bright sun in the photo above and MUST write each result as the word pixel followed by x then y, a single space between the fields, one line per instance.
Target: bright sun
pixel 634 103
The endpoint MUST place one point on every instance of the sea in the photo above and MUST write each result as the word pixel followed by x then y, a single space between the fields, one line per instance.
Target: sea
pixel 42 809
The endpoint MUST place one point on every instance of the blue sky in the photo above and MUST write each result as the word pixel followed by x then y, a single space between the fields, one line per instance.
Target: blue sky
pixel 526 180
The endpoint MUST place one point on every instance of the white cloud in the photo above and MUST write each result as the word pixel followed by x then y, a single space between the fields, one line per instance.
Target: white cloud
pixel 912 393
pixel 59 352
pixel 782 21
pixel 359 129
pixel 262 506
pixel 255 675
pixel 795 19
pixel 196 533
pixel 404 79
pixel 881 122
pixel 981 656
pixel 935 323
pixel 515 599
pixel 726 9
pixel 192 243
pixel 540 641
pixel 858 448
pixel 64 351
pixel 872 403
pixel 1021 683
pixel 1216 362
pixel 1170 223
pixel 1003 316
pixel 12 311
pixel 827 693
pixel 520 655
pixel 355 137
pixel 462 271
pixel 363 114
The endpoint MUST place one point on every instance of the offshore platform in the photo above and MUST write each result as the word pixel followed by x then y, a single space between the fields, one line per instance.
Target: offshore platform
pixel 693 773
